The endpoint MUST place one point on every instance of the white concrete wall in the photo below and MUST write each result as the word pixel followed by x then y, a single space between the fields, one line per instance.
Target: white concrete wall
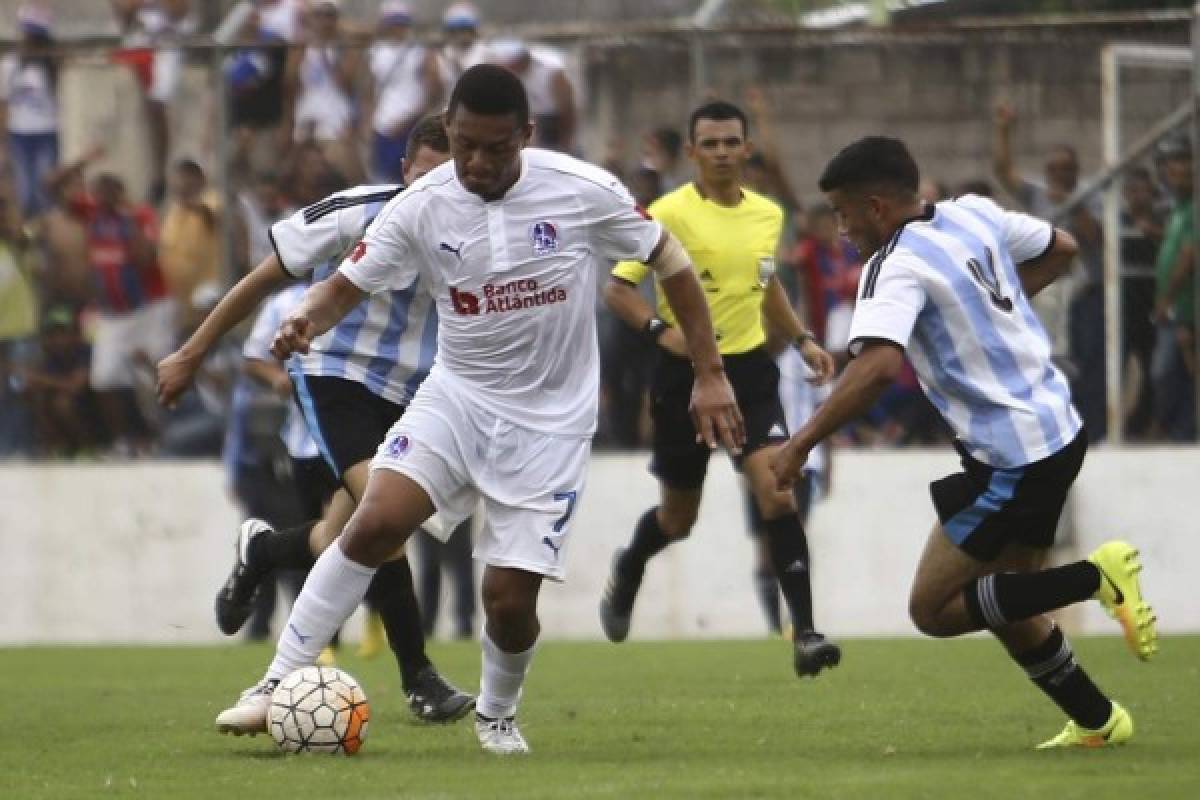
pixel 135 553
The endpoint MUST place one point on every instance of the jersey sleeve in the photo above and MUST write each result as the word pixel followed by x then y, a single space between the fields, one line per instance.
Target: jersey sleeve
pixel 620 230
pixel 890 296
pixel 316 235
pixel 382 258
pixel 1025 236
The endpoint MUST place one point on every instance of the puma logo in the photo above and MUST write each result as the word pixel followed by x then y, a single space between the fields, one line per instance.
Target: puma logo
pixel 299 635
pixel 546 540
pixel 456 250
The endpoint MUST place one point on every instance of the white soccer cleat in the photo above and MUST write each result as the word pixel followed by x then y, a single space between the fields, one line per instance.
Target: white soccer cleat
pixel 500 736
pixel 250 714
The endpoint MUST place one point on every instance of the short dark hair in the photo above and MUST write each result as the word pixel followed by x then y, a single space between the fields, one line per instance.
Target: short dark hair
pixel 190 167
pixel 492 90
pixel 430 131
pixel 873 161
pixel 669 140
pixel 717 110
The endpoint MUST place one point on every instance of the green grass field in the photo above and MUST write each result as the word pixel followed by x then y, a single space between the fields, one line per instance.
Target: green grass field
pixel 899 719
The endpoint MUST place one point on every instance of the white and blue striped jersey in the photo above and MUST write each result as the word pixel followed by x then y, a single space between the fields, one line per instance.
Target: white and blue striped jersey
pixel 388 342
pixel 294 432
pixel 946 288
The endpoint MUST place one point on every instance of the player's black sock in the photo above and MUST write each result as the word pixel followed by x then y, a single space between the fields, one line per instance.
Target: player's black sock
pixel 767 589
pixel 789 555
pixel 648 540
pixel 1052 666
pixel 993 601
pixel 286 549
pixel 391 594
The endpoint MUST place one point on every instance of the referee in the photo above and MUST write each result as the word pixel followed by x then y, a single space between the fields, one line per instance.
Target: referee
pixel 731 235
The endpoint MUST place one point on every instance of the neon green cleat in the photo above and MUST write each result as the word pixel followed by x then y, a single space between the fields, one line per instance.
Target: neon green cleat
pixel 1118 730
pixel 1121 595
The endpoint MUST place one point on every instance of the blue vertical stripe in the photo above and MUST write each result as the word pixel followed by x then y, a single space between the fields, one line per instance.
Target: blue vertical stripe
pixel 428 352
pixel 387 349
pixel 310 417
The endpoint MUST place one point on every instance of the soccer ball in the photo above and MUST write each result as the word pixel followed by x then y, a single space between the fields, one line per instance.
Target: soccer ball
pixel 319 710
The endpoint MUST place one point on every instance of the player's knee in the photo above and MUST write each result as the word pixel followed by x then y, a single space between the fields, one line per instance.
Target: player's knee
pixel 773 505
pixel 926 617
pixel 370 538
pixel 507 610
pixel 677 524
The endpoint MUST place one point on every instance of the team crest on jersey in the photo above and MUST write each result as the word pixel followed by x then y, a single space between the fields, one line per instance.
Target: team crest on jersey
pixel 544 237
pixel 398 446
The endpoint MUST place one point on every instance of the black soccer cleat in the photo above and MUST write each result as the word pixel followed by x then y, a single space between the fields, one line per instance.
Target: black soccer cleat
pixel 432 699
pixel 235 600
pixel 813 653
pixel 616 606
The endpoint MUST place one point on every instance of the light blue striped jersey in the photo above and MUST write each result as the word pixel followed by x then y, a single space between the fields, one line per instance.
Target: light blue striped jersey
pixel 257 346
pixel 388 342
pixel 946 288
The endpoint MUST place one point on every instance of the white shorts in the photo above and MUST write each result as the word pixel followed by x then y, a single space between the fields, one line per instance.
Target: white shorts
pixel 529 483
pixel 117 339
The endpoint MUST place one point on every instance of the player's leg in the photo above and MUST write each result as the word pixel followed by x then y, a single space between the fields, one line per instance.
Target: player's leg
pixel 393 506
pixel 670 521
pixel 787 545
pixel 508 642
pixel 766 588
pixel 680 465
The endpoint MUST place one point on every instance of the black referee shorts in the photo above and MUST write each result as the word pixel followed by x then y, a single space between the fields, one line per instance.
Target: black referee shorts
pixel 678 461
pixel 347 420
pixel 983 508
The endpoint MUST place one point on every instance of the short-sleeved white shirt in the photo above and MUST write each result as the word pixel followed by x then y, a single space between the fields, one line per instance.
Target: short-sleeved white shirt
pixel 946 288
pixel 257 346
pixel 514 281
pixel 387 342
pixel 26 88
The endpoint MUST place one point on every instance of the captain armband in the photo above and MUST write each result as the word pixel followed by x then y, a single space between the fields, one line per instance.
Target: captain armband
pixel 672 258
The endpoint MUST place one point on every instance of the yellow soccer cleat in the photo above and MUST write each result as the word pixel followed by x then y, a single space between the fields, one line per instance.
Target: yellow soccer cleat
pixel 1118 730
pixel 327 657
pixel 374 636
pixel 1121 595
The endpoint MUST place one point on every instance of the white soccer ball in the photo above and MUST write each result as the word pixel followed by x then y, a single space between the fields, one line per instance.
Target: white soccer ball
pixel 319 710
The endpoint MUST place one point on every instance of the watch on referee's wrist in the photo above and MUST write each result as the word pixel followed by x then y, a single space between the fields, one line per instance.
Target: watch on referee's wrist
pixel 654 328
pixel 803 339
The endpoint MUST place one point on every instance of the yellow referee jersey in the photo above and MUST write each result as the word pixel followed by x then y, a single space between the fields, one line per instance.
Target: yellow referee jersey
pixel 733 253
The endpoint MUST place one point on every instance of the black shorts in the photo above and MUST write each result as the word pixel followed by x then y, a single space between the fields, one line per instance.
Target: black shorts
pixel 681 463
pixel 984 508
pixel 347 420
pixel 315 483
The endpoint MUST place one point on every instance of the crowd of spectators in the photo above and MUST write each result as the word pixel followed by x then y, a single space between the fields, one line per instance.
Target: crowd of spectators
pixel 96 284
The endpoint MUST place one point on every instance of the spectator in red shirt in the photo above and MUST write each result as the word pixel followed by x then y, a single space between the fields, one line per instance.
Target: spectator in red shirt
pixel 135 320
pixel 827 269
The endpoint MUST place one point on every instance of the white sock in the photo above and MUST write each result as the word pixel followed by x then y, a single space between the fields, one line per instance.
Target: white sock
pixel 500 683
pixel 334 588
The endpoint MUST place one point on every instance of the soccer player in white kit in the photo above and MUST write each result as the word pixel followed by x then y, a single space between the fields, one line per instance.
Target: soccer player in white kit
pixel 949 285
pixel 509 239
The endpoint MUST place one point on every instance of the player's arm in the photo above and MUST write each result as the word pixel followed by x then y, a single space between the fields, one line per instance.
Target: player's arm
pixel 1038 273
pixel 1002 160
pixel 782 317
pixel 176 371
pixel 862 384
pixel 270 374
pixel 623 298
pixel 324 305
pixel 713 406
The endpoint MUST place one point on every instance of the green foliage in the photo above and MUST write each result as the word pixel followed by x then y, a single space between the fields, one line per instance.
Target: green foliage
pixel 899 719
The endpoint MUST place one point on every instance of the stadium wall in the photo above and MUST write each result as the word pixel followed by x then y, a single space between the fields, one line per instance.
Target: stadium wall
pixel 134 553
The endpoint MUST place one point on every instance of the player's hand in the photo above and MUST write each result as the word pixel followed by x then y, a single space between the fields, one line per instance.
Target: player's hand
pixel 819 361
pixel 175 374
pixel 293 336
pixel 715 412
pixel 673 342
pixel 787 461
